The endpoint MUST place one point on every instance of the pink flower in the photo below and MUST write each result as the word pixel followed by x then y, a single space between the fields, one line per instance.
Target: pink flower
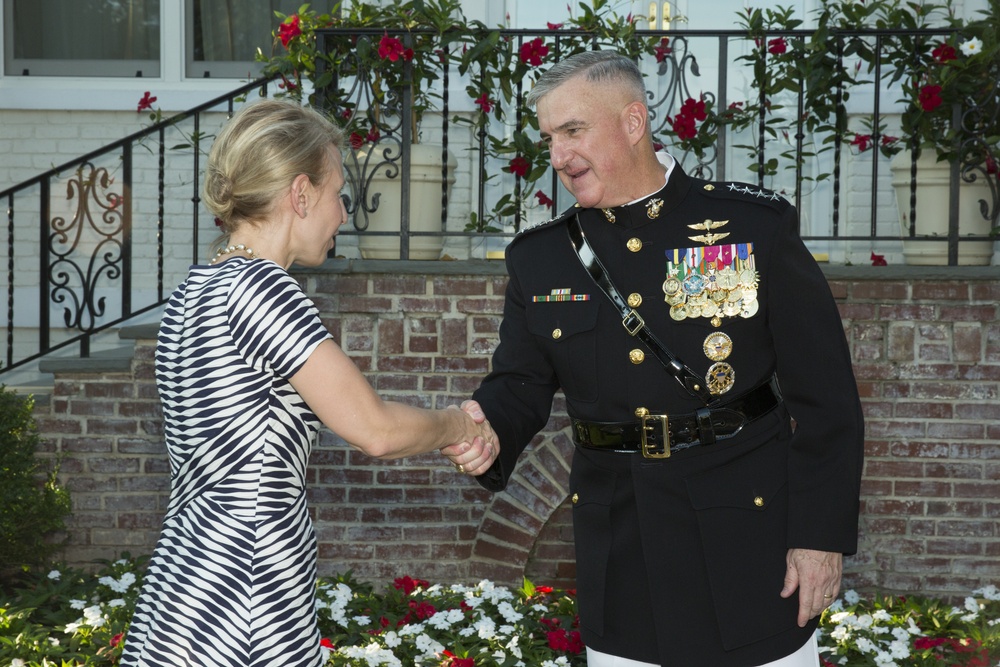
pixel 777 46
pixel 519 166
pixel 289 30
pixel 663 50
pixel 944 52
pixel 391 48
pixel 146 102
pixel 878 260
pixel 543 199
pixel 532 52
pixel 484 103
pixel 930 97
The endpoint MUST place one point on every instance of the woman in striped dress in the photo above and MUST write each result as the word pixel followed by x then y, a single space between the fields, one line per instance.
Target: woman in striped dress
pixel 247 373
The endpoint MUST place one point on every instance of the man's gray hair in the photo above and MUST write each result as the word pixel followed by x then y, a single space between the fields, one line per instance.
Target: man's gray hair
pixel 609 66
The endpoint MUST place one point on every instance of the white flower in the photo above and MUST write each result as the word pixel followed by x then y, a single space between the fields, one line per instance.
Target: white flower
pixel 882 615
pixel 989 592
pixel 865 621
pixel 17 662
pixel 391 639
pixel 913 628
pixel 54 575
pixel 972 605
pixel 851 597
pixel 865 645
pixel 883 659
pixel 428 646
pixel 77 604
pixel 486 628
pixel 508 612
pixel 93 616
pixel 900 649
pixel 73 627
pixel 117 602
pixel 362 620
pixel 901 634
pixel 971 46
pixel 53 641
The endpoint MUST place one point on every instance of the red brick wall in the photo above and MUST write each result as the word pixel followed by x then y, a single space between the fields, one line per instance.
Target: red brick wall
pixel 927 358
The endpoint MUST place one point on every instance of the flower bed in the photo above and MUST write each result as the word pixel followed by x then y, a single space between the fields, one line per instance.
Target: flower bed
pixel 68 618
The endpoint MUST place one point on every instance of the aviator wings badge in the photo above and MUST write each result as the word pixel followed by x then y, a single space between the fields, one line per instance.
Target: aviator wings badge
pixel 708 225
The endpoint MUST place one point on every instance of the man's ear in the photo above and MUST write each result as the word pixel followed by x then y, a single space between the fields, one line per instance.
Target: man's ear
pixel 636 121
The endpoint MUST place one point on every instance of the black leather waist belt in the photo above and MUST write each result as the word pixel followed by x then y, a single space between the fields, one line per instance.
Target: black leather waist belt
pixel 656 436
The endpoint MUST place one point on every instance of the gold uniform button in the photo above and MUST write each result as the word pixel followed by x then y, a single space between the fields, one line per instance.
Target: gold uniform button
pixel 710 187
pixel 758 501
pixel 557 334
pixel 637 356
pixel 576 498
pixel 634 244
pixel 634 300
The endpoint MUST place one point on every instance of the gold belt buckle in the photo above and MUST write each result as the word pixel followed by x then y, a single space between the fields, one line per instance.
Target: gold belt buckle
pixel 648 450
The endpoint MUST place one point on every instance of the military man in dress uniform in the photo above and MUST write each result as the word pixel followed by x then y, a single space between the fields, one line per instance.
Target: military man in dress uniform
pixel 688 326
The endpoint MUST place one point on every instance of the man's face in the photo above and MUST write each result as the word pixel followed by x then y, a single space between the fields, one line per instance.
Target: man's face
pixel 585 127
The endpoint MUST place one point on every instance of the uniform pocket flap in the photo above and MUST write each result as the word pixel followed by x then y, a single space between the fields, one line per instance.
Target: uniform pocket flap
pixel 750 482
pixel 561 320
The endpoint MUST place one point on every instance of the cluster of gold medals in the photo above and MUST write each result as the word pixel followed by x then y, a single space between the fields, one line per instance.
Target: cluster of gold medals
pixel 713 282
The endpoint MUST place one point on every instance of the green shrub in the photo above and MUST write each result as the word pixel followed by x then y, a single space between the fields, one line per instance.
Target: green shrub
pixel 32 503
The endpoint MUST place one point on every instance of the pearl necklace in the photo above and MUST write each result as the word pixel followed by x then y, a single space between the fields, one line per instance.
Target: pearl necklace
pixel 239 247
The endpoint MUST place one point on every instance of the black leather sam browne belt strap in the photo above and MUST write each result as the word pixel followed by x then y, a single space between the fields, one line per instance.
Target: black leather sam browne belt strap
pixel 656 435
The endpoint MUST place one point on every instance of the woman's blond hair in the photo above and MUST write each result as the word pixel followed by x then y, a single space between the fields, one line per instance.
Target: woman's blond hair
pixel 259 153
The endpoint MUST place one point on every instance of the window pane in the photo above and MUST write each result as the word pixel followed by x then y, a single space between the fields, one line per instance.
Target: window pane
pixel 82 38
pixel 224 35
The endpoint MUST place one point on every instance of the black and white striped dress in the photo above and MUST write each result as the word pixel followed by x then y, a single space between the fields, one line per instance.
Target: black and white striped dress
pixel 232 579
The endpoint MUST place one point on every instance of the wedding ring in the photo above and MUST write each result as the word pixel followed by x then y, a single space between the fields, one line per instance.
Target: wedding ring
pixel 827 596
pixel 460 468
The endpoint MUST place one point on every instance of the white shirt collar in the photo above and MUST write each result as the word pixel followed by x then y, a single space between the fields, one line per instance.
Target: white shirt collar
pixel 667 161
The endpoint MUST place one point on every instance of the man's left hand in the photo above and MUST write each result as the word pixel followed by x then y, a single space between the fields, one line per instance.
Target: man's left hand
pixel 816 575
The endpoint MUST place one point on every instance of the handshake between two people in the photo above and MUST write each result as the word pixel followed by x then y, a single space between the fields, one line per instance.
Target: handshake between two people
pixel 474 456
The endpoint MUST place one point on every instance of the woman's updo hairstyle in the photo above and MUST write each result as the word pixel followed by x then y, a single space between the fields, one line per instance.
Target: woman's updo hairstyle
pixel 258 154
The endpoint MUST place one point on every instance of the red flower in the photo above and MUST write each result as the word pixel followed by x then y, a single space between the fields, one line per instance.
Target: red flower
pixel 560 640
pixel 862 141
pixel 543 199
pixel 408 584
pixel 146 102
pixel 991 165
pixel 286 84
pixel 391 48
pixel 423 610
pixel 662 51
pixel 326 643
pixel 777 46
pixel 519 166
pixel 356 140
pixel 116 640
pixel 930 97
pixel 944 52
pixel 455 661
pixel 219 223
pixel 683 126
pixel 553 26
pixel 696 108
pixel 289 30
pixel 878 260
pixel 923 643
pixel 484 103
pixel 346 114
pixel 372 136
pixel 532 52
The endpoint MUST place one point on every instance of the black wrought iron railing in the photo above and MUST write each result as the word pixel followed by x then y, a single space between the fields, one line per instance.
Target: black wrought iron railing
pixel 130 224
